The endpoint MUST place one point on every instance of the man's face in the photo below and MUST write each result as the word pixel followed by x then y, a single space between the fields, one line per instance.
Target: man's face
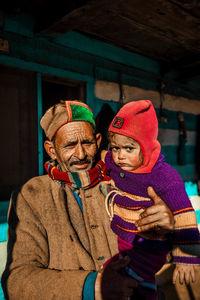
pixel 76 146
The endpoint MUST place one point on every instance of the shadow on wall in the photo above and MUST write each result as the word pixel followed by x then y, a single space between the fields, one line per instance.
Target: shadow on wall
pixel 197 156
pixel 103 121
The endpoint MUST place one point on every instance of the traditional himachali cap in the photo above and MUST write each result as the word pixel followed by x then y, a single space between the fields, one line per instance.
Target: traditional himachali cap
pixel 137 120
pixel 62 113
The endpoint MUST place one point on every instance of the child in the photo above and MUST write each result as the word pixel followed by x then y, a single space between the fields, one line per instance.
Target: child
pixel 134 163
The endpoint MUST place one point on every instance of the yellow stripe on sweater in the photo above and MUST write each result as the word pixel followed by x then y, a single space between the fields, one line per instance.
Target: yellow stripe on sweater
pixel 134 197
pixel 126 214
pixel 186 220
pixel 184 252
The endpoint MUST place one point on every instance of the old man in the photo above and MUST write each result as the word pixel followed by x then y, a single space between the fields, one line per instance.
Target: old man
pixel 59 231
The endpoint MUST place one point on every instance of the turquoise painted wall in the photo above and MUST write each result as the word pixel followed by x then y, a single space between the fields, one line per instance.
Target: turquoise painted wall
pixel 75 56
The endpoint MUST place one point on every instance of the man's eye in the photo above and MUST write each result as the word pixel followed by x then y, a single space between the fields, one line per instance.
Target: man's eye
pixel 69 147
pixel 88 143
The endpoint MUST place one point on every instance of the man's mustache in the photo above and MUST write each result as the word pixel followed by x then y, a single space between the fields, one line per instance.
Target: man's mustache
pixel 80 162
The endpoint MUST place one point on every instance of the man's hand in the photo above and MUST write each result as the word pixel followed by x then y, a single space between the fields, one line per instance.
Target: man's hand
pixel 185 272
pixel 115 285
pixel 158 217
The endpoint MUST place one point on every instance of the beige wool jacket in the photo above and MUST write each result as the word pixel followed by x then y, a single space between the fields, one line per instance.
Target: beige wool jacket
pixel 53 246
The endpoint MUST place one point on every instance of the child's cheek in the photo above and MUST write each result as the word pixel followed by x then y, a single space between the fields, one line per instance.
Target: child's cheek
pixel 114 156
pixel 134 160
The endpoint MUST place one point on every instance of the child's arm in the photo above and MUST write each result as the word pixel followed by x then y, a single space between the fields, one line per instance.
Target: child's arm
pixel 185 272
pixel 185 238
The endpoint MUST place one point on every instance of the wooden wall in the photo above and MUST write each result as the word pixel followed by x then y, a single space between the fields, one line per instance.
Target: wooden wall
pixel 18 123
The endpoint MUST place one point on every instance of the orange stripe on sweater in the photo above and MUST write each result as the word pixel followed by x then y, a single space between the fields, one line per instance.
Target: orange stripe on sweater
pixel 129 230
pixel 129 195
pixel 133 208
pixel 183 209
pixel 186 226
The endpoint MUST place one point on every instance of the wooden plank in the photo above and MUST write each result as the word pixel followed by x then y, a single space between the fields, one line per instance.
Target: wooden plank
pixel 142 26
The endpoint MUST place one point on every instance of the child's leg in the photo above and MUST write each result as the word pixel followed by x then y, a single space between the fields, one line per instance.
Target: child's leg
pixel 144 293
pixel 123 245
pixel 147 289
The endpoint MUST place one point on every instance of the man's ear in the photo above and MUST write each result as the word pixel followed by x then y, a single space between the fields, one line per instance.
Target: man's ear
pixel 50 149
pixel 98 139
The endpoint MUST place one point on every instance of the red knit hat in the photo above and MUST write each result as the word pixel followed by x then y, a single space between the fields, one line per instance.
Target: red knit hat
pixel 138 120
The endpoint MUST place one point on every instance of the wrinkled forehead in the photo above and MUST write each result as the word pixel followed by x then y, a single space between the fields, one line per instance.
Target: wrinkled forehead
pixel 75 131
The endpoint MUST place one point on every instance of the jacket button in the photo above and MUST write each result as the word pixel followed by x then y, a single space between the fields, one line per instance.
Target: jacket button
pixel 94 226
pixel 121 174
pixel 100 258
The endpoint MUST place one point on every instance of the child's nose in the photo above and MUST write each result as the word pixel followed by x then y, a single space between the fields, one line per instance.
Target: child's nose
pixel 120 154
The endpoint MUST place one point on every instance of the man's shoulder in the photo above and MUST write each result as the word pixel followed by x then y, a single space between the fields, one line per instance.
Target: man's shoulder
pixel 36 192
pixel 38 186
pixel 37 182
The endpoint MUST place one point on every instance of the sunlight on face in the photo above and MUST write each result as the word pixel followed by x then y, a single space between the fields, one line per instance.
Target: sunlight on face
pixel 126 152
pixel 76 146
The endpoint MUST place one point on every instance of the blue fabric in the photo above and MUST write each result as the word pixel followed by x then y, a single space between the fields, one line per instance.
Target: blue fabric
pixel 76 179
pixel 198 216
pixel 4 205
pixel 78 199
pixel 1 292
pixel 140 279
pixel 191 188
pixel 133 274
pixel 88 288
pixel 3 231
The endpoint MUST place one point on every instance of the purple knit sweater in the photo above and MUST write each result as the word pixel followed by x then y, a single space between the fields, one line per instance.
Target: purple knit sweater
pixel 150 254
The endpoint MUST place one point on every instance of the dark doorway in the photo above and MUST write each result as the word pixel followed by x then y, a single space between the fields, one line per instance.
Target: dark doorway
pixel 19 155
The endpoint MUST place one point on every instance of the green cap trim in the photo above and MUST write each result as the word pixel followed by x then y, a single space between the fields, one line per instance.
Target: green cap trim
pixel 81 113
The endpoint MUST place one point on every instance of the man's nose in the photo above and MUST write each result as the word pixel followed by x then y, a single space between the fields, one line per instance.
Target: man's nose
pixel 79 151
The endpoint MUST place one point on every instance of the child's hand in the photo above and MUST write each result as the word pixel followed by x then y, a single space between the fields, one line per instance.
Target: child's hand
pixel 185 272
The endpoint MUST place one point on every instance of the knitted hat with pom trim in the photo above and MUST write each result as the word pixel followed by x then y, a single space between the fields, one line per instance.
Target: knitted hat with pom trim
pixel 138 121
pixel 62 113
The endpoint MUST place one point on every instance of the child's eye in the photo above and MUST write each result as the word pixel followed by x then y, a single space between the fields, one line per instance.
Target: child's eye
pixel 115 149
pixel 129 149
